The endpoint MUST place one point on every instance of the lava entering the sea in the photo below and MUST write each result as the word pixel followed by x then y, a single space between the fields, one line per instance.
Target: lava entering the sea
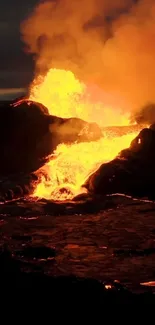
pixel 67 169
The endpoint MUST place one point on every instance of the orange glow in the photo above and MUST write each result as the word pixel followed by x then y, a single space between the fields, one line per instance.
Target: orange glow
pixel 66 96
pixel 108 286
pixel 70 165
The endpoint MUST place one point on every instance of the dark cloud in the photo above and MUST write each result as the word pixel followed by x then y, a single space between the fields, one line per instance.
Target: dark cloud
pixel 15 66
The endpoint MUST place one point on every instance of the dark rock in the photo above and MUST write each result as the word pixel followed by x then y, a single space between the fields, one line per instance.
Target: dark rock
pixel 22 127
pixel 37 252
pixel 134 252
pixel 23 238
pixel 7 264
pixel 132 172
pixel 144 142
pixel 64 291
pixel 9 189
pixel 28 135
pixel 9 195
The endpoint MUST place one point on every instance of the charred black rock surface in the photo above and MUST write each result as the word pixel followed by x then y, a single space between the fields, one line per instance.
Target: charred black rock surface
pixel 42 249
pixel 39 253
pixel 17 186
pixel 132 172
pixel 23 125
pixel 28 134
pixel 31 209
pixel 66 290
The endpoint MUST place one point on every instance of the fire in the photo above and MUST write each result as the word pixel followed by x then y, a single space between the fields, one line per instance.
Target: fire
pixel 65 96
pixel 70 165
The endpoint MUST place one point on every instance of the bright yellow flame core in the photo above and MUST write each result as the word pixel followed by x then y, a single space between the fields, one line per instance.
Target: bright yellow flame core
pixel 62 177
pixel 66 96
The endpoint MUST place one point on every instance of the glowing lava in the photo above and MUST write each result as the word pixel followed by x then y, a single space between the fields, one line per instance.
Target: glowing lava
pixel 62 177
pixel 65 174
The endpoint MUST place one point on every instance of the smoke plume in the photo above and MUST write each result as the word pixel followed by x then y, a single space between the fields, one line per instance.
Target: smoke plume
pixel 110 43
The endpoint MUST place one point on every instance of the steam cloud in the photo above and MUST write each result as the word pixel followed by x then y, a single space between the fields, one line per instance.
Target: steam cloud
pixel 107 42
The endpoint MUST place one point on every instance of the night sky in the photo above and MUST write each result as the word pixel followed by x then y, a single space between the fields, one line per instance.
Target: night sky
pixel 16 68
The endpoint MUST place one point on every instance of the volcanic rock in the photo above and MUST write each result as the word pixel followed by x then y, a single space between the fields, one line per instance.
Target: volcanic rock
pixel 17 186
pixel 22 126
pixel 66 290
pixel 134 252
pixel 28 135
pixel 37 252
pixel 132 172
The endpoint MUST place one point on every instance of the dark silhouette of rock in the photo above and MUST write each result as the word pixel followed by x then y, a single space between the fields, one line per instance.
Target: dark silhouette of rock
pixel 132 172
pixel 72 291
pixel 22 238
pixel 16 186
pixel 37 253
pixel 22 126
pixel 134 252
pixel 28 134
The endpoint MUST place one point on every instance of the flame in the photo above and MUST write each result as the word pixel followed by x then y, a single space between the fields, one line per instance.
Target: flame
pixel 65 96
pixel 70 165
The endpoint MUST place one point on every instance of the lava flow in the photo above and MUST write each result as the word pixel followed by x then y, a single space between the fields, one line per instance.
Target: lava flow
pixel 70 165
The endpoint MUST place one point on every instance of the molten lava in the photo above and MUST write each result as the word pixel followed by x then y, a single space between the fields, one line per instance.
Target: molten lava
pixel 70 165
pixel 65 174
